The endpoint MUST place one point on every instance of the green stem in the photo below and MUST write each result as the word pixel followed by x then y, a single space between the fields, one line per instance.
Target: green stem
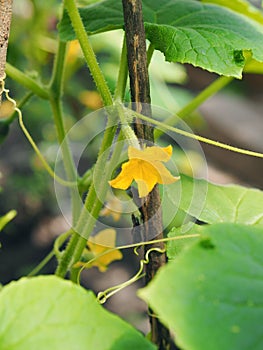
pixel 88 52
pixel 90 212
pixel 93 201
pixel 69 166
pixel 127 130
pixel 123 74
pixel 66 259
pixel 57 79
pixel 54 252
pixel 42 264
pixel 55 94
pixel 212 89
pixel 91 209
pixel 94 204
pixel 77 242
pixel 26 81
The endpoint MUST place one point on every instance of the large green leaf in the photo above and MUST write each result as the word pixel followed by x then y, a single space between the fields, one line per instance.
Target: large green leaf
pixel 49 313
pixel 211 296
pixel 186 31
pixel 213 203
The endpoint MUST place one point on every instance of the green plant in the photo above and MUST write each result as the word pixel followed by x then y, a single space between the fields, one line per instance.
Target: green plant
pixel 210 292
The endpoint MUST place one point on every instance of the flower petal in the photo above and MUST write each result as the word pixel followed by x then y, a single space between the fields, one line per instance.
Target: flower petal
pixel 135 153
pixel 154 153
pixel 151 154
pixel 149 174
pixel 142 188
pixel 146 168
pixel 100 244
pixel 105 259
pixel 106 238
pixel 125 178
pixel 164 175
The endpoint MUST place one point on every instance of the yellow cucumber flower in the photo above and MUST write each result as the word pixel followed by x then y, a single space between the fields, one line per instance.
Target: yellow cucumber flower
pixel 146 168
pixel 100 250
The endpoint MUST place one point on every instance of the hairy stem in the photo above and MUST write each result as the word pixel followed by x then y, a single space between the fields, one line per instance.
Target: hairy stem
pixel 88 52
pixel 123 75
pixel 26 81
pixel 55 94
pixel 71 255
pixel 90 212
pixel 92 204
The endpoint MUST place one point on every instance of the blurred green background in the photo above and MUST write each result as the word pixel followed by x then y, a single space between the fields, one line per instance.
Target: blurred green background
pixel 27 188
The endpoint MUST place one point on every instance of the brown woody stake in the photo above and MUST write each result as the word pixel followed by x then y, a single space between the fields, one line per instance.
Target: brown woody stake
pixel 150 207
pixel 5 22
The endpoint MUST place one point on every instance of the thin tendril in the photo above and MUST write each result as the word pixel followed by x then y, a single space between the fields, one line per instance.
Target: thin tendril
pixel 59 241
pixel 136 246
pixel 42 264
pixel 54 252
pixel 32 142
pixel 196 137
pixel 106 294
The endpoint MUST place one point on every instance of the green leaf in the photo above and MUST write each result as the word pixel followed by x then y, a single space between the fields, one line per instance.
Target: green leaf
pixel 186 31
pixel 47 312
pixel 211 296
pixel 241 6
pixel 97 18
pixel 176 246
pixel 213 203
pixel 5 219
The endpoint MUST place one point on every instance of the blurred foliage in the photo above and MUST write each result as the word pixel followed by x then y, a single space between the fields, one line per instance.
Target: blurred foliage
pixel 33 42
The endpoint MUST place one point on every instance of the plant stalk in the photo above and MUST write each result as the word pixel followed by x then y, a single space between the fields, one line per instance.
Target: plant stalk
pixel 90 212
pixel 26 81
pixel 55 94
pixel 150 208
pixel 88 52
pixel 93 202
pixel 123 74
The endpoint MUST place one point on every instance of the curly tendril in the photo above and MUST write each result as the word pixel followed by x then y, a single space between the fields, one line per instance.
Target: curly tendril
pixel 102 297
pixel 30 139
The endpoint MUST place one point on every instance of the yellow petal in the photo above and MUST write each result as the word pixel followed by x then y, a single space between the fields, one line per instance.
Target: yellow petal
pixel 151 154
pixel 100 244
pixel 146 177
pixel 105 238
pixel 146 168
pixel 142 188
pixel 103 262
pixel 134 152
pixel 164 175
pixel 158 153
pixel 124 179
